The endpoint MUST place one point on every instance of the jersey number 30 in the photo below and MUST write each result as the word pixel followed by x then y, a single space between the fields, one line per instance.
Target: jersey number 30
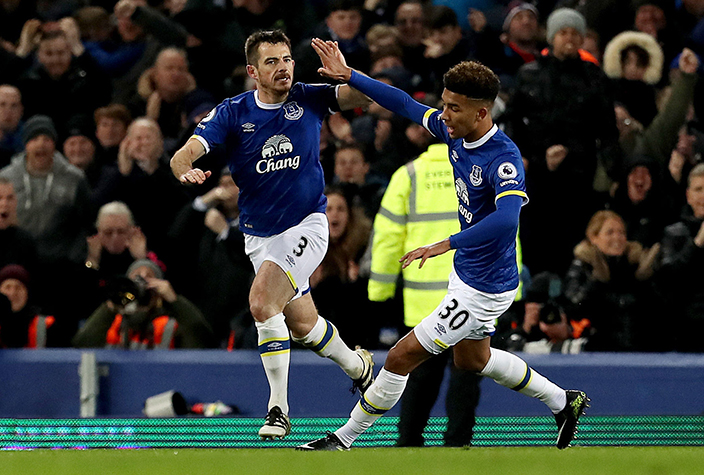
pixel 458 319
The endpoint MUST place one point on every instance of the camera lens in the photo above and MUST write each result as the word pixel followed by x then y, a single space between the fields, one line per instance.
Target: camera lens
pixel 550 313
pixel 143 293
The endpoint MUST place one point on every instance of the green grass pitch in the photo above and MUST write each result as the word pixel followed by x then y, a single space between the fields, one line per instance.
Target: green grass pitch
pixel 425 461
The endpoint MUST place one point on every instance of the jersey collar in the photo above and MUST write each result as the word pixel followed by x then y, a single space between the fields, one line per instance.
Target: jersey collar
pixel 264 105
pixel 484 139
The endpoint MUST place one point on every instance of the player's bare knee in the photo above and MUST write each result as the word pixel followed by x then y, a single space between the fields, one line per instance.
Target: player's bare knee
pixel 261 310
pixel 394 361
pixel 399 361
pixel 472 363
pixel 298 328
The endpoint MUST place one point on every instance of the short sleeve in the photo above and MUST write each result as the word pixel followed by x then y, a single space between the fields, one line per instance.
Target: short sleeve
pixel 508 177
pixel 322 97
pixel 434 125
pixel 212 130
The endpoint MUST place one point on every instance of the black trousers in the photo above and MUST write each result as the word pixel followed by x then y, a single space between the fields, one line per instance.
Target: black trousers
pixel 421 393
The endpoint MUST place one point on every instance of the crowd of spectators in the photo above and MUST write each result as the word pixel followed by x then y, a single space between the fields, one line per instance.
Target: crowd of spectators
pixel 100 245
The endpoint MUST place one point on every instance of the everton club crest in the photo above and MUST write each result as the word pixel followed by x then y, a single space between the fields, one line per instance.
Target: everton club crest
pixel 292 111
pixel 476 176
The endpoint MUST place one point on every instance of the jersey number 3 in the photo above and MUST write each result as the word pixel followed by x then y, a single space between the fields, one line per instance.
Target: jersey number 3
pixel 302 244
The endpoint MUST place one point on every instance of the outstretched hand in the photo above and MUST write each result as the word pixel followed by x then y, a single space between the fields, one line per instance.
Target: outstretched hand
pixel 425 252
pixel 334 64
pixel 194 176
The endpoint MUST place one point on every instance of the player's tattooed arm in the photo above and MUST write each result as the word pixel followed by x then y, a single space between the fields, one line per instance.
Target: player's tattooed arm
pixel 182 163
pixel 349 98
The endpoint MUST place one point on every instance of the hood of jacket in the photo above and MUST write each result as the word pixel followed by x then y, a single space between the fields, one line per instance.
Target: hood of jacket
pixel 612 55
pixel 587 252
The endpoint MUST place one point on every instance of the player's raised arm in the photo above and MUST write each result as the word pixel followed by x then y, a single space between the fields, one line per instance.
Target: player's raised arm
pixel 347 97
pixel 389 97
pixel 182 163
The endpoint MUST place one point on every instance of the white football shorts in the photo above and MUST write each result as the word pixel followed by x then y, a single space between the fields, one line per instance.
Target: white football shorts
pixel 298 251
pixel 464 313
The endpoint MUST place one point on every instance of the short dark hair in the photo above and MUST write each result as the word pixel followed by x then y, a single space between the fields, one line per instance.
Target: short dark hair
pixel 251 47
pixel 472 79
pixel 642 56
pixel 352 146
pixel 442 16
pixel 92 21
pixel 51 35
pixel 344 5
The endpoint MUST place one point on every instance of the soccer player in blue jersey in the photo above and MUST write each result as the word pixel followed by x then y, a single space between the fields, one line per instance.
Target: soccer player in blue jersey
pixel 272 138
pixel 490 184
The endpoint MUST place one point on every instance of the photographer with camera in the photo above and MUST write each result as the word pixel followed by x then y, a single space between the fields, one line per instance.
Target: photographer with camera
pixel 540 323
pixel 143 312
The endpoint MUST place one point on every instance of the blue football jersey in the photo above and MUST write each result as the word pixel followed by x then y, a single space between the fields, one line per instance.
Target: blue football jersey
pixel 273 154
pixel 484 171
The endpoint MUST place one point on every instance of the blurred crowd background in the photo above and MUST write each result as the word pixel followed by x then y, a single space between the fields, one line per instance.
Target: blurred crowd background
pixel 101 246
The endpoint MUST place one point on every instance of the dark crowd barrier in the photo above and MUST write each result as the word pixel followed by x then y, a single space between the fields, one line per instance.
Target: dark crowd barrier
pixel 55 383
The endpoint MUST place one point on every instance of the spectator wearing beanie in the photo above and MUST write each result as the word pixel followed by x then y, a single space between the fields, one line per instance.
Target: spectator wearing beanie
pixel 561 116
pixel 517 44
pixel 52 194
pixel 21 326
pixel 79 147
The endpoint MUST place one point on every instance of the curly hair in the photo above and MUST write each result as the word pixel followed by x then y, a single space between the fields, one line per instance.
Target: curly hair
pixel 472 79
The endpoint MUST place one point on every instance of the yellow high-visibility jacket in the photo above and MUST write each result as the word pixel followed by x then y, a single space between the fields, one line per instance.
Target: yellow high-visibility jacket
pixel 419 207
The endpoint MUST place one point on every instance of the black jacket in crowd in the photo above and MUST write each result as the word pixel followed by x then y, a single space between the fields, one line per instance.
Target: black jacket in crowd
pixel 214 274
pixel 680 276
pixel 81 90
pixel 564 102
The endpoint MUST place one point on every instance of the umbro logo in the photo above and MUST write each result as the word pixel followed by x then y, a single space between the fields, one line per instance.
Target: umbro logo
pixel 248 127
